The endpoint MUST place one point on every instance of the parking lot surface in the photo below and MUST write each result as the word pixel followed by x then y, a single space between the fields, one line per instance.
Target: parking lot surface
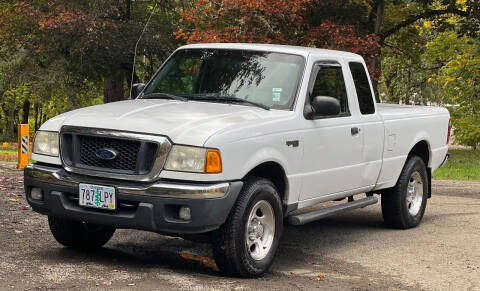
pixel 350 251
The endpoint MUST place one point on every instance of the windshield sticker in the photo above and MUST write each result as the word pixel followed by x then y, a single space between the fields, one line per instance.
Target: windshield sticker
pixel 276 97
pixel 276 94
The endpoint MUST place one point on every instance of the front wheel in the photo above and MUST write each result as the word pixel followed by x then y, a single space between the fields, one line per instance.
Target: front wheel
pixel 79 234
pixel 403 206
pixel 246 244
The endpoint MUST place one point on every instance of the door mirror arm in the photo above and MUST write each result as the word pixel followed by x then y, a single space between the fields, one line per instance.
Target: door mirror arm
pixel 309 112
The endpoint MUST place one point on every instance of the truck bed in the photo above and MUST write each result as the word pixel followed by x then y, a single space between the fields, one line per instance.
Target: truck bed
pixel 399 111
pixel 405 126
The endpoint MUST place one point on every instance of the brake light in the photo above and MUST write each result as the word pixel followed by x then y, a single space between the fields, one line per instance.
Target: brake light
pixel 449 131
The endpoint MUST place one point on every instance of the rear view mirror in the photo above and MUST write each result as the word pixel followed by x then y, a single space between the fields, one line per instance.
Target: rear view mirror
pixel 137 89
pixel 322 106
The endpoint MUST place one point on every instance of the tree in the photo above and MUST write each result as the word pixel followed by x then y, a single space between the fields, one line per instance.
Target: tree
pixel 436 61
pixel 95 39
pixel 355 25
pixel 62 54
pixel 273 21
pixel 459 79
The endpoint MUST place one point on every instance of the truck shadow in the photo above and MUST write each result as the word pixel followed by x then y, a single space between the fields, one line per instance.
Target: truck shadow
pixel 136 250
pixel 330 233
pixel 128 256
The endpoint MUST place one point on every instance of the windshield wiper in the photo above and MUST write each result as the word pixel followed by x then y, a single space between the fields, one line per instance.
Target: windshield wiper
pixel 163 96
pixel 230 99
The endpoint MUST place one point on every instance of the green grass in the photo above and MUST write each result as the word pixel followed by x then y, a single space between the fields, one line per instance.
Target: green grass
pixel 462 165
pixel 7 151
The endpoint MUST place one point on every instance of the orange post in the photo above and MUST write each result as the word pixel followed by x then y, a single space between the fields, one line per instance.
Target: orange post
pixel 23 145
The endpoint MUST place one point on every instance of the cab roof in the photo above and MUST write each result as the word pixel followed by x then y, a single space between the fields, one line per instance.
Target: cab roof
pixel 297 50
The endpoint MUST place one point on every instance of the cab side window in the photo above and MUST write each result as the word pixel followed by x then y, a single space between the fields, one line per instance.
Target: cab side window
pixel 330 82
pixel 362 86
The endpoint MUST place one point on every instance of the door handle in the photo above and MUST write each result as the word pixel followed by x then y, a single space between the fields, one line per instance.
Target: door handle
pixel 354 131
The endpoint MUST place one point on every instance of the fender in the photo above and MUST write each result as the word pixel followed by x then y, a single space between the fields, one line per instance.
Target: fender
pixel 263 155
pixel 422 136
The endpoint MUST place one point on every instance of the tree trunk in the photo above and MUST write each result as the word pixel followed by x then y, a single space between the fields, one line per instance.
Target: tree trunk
pixel 72 86
pixel 388 82
pixel 35 113
pixel 43 118
pixel 71 100
pixel 407 94
pixel 9 123
pixel 128 9
pixel 14 122
pixel 113 89
pixel 26 111
pixel 379 16
pixel 376 63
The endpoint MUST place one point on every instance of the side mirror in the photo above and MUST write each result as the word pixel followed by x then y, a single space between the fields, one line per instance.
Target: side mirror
pixel 137 89
pixel 322 106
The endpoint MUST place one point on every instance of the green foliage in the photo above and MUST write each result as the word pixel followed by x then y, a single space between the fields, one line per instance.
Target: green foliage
pixel 61 55
pixel 467 128
pixel 459 79
pixel 58 55
pixel 462 165
pixel 406 67
pixel 435 62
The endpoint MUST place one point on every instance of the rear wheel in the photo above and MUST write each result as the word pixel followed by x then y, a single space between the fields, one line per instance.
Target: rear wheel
pixel 246 244
pixel 403 206
pixel 79 234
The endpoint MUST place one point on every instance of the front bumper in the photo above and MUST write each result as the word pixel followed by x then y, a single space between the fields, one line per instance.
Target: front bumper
pixel 152 207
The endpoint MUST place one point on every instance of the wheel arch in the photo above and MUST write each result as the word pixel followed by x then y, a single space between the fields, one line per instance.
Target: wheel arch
pixel 422 150
pixel 274 172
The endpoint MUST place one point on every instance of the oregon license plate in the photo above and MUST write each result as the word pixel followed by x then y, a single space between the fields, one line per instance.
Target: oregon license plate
pixel 96 196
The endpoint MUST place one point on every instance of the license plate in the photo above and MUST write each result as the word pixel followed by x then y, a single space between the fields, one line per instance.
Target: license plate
pixel 96 196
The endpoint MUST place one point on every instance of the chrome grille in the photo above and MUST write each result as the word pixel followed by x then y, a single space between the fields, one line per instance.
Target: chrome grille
pixel 138 157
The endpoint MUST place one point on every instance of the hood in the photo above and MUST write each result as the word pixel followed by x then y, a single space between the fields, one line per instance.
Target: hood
pixel 183 122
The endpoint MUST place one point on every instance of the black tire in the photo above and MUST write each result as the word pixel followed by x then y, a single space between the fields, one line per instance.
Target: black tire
pixel 79 235
pixel 230 244
pixel 395 208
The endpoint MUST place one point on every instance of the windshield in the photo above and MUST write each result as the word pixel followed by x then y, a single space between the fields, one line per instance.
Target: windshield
pixel 265 78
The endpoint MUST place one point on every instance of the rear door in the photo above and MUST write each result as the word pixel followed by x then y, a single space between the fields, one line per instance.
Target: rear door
pixel 333 145
pixel 370 123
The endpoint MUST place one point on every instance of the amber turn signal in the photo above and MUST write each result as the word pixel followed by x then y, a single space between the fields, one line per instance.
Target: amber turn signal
pixel 213 162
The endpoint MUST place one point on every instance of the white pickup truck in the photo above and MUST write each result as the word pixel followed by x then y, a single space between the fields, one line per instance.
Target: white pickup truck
pixel 231 141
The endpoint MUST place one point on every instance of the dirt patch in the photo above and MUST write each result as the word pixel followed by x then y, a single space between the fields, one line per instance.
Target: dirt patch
pixel 8 157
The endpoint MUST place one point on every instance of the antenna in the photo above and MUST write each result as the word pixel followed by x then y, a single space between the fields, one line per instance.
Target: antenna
pixel 136 47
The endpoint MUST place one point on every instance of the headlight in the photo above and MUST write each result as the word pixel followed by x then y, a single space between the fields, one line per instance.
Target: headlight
pixel 194 159
pixel 46 143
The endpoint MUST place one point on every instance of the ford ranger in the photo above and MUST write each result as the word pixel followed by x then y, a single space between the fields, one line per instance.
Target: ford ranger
pixel 231 141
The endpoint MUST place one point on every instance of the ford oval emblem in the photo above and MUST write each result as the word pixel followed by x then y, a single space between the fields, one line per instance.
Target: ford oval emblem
pixel 106 154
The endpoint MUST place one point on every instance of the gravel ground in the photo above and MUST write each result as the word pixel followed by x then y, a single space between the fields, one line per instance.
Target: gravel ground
pixel 350 251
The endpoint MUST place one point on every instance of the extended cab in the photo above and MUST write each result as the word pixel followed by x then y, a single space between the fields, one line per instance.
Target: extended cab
pixel 231 141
